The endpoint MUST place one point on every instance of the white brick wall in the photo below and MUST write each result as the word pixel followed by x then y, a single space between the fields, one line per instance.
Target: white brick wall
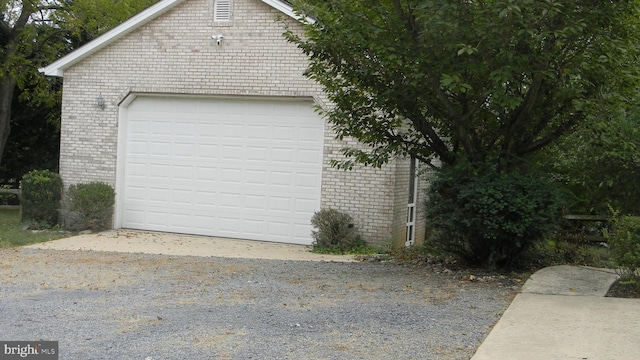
pixel 174 54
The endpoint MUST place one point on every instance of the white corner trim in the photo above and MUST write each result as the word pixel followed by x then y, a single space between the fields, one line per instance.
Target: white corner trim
pixel 57 68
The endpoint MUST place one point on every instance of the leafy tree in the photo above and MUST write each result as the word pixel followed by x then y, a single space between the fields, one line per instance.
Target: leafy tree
pixel 35 32
pixel 600 165
pixel 22 24
pixel 485 85
pixel 34 141
pixel 467 81
pixel 85 20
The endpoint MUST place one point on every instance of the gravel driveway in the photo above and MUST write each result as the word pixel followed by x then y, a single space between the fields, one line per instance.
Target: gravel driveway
pixel 102 305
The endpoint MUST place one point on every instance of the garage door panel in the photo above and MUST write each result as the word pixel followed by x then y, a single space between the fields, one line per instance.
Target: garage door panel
pixel 138 148
pixel 158 195
pixel 186 129
pixel 135 217
pixel 258 132
pixel 157 218
pixel 207 174
pixel 138 127
pixel 229 201
pixel 136 193
pixel 280 204
pixel 282 155
pixel 278 228
pixel 138 170
pixel 158 171
pixel 306 181
pixel 182 197
pixel 184 149
pixel 300 231
pixel 234 132
pixel 228 225
pixel 283 133
pixel 204 223
pixel 255 202
pixel 307 134
pixel 208 130
pixel 180 221
pixel 309 157
pixel 231 176
pixel 159 127
pixel 256 153
pixel 257 177
pixel 243 168
pixel 182 172
pixel 207 151
pixel 232 152
pixel 160 149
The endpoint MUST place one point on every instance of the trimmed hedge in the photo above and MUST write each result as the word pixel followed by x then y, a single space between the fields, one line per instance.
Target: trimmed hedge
pixel 41 195
pixel 93 203
pixel 487 217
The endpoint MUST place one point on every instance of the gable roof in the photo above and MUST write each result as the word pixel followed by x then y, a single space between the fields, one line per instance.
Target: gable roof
pixel 58 67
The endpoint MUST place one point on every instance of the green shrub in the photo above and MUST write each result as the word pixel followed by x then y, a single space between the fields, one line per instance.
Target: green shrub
pixel 41 194
pixel 487 217
pixel 93 203
pixel 624 241
pixel 336 232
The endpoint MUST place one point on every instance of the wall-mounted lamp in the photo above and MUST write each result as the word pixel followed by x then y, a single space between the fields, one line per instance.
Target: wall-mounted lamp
pixel 218 38
pixel 101 104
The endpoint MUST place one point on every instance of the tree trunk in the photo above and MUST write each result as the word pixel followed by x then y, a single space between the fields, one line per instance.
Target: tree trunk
pixel 7 87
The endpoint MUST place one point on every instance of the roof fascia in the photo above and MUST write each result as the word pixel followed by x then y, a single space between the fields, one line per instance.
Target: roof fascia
pixel 57 68
pixel 287 9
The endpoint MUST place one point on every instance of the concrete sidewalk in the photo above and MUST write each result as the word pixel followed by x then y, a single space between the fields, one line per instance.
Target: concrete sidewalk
pixel 562 313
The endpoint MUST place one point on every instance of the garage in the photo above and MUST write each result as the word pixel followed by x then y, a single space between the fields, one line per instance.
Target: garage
pixel 238 167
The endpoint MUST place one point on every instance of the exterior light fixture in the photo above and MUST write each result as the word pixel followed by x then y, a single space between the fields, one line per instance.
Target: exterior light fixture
pixel 218 38
pixel 101 104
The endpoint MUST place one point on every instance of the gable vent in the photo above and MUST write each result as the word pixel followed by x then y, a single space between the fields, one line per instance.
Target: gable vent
pixel 222 10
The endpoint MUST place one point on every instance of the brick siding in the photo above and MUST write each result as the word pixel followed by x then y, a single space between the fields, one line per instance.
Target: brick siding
pixel 175 54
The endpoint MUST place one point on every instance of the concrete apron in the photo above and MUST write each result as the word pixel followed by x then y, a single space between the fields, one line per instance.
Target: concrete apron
pixel 562 314
pixel 132 241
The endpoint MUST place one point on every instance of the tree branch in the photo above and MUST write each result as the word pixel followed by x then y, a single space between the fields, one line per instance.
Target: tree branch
pixel 559 131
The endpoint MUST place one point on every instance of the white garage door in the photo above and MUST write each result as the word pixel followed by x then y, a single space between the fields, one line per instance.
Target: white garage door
pixel 230 167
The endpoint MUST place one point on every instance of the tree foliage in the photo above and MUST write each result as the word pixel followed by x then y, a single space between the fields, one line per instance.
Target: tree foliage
pixel 600 166
pixel 85 20
pixel 478 81
pixel 34 33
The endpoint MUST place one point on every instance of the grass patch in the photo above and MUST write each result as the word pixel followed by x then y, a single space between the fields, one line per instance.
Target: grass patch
pixel 12 233
pixel 552 252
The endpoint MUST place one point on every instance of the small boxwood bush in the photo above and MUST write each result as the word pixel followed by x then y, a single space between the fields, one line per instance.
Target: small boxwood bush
pixel 624 242
pixel 93 204
pixel 40 198
pixel 336 232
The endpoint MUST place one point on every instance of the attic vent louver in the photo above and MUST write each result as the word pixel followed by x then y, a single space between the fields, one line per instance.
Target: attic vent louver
pixel 222 10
